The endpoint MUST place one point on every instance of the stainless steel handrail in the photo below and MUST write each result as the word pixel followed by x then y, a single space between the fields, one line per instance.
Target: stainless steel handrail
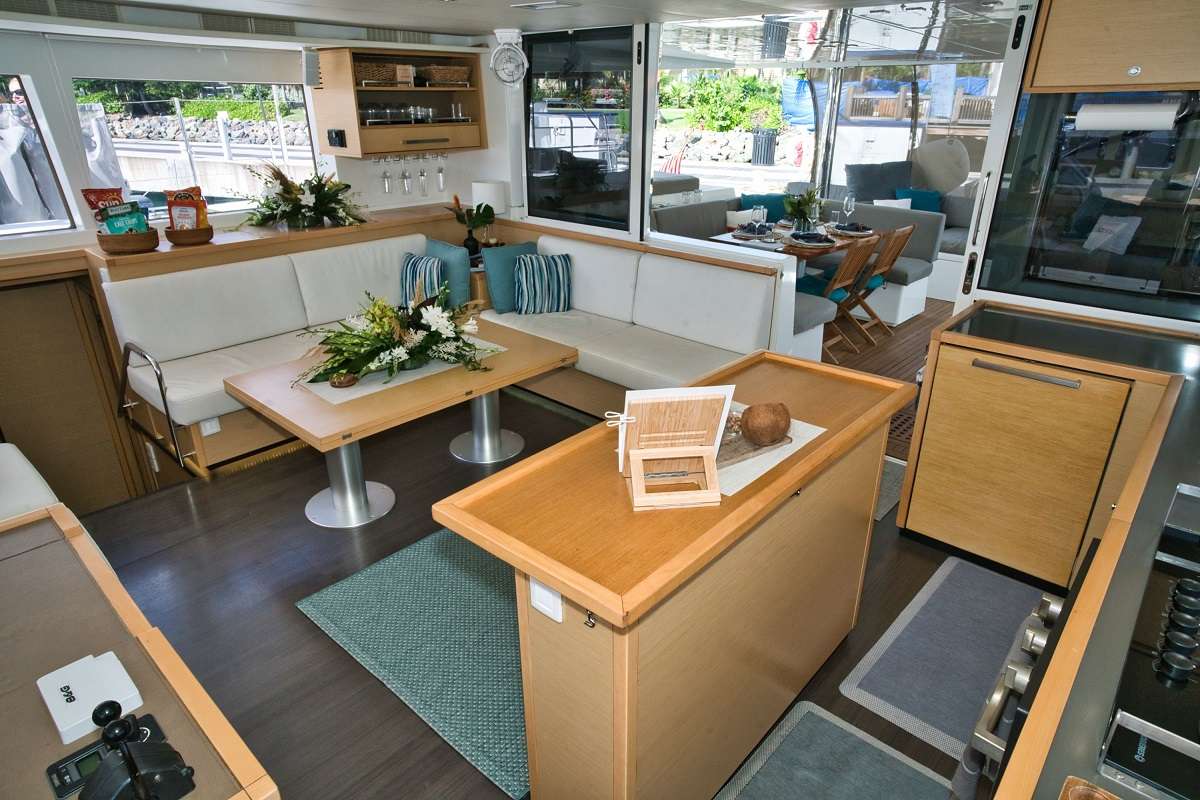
pixel 1025 373
pixel 983 187
pixel 130 348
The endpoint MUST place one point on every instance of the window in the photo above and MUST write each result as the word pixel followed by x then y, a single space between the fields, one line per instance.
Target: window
pixel 31 199
pixel 578 94
pixel 762 105
pixel 149 136
pixel 1099 203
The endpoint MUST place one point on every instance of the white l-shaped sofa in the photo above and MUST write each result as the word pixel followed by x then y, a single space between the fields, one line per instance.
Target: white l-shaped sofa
pixel 639 319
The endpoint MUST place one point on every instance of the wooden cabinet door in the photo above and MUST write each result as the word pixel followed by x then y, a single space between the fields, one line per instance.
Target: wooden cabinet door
pixel 1011 458
pixel 1139 44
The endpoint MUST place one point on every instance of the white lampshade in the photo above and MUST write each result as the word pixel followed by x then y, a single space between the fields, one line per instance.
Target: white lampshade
pixel 494 193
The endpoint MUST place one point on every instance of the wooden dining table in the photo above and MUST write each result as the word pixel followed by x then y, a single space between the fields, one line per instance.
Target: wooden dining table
pixel 784 246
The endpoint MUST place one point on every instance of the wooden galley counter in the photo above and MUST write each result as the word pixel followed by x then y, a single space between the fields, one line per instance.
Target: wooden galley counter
pixel 65 602
pixel 685 633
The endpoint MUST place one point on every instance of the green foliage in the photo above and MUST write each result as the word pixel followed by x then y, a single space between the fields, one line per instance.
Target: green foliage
pixel 672 92
pixel 112 104
pixel 732 103
pixel 238 109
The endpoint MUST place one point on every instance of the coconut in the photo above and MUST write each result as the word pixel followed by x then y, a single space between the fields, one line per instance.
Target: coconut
pixel 765 424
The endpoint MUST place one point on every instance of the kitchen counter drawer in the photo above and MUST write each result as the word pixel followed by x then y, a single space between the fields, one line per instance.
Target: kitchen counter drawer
pixel 419 138
pixel 1012 456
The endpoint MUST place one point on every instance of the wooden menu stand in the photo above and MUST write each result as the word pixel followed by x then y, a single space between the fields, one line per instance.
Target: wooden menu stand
pixel 670 458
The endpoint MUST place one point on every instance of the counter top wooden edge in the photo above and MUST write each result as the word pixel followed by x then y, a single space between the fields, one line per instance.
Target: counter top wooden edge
pixel 228 245
pixel 247 771
pixel 1029 756
pixel 624 610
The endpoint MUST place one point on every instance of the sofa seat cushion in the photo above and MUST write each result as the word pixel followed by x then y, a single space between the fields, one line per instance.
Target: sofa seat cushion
pixel 954 240
pixel 642 358
pixel 909 270
pixel 195 384
pixel 812 311
pixel 571 328
pixel 725 308
pixel 22 488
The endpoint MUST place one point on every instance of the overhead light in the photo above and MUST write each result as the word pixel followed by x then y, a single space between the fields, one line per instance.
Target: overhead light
pixel 544 5
pixel 879 11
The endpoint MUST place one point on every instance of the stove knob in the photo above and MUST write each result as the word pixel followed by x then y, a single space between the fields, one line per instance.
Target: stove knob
pixel 1033 640
pixel 1179 642
pixel 1016 676
pixel 1187 604
pixel 1048 609
pixel 1179 621
pixel 1188 586
pixel 1175 669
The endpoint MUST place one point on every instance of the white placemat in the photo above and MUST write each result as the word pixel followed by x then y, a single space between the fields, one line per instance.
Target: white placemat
pixel 736 477
pixel 377 381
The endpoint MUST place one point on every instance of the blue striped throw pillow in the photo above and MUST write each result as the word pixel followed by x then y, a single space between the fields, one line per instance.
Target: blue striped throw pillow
pixel 543 284
pixel 423 271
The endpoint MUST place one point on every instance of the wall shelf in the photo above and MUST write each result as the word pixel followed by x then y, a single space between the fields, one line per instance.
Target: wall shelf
pixel 340 103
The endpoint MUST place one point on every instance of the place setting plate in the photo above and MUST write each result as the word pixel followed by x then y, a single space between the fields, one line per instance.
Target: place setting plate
pixel 837 230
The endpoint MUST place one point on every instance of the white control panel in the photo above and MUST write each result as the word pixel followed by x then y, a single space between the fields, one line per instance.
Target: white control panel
pixel 72 692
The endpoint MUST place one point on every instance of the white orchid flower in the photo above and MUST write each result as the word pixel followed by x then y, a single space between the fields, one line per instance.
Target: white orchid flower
pixel 308 199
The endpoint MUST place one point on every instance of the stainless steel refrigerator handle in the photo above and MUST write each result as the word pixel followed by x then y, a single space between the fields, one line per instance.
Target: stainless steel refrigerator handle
pixel 1025 373
pixel 983 187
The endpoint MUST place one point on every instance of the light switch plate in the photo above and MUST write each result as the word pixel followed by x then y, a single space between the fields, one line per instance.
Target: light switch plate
pixel 545 599
pixel 211 426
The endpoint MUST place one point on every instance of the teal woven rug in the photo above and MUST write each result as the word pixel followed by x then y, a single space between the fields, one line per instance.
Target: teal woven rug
pixel 437 623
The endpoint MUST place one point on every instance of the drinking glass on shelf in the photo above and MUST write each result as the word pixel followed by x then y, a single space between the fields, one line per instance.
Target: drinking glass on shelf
pixel 848 206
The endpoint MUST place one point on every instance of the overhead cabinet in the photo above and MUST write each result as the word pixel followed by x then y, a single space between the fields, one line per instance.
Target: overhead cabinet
pixel 382 102
pixel 1115 44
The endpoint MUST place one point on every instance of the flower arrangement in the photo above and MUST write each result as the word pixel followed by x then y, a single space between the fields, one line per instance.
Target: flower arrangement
pixel 307 204
pixel 387 338
pixel 803 208
pixel 480 216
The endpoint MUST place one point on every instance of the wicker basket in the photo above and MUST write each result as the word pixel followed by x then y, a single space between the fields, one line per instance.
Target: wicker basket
pixel 445 74
pixel 189 236
pixel 123 244
pixel 384 72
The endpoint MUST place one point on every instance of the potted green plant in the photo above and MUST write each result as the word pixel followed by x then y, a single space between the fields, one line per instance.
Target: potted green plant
pixel 480 216
pixel 803 208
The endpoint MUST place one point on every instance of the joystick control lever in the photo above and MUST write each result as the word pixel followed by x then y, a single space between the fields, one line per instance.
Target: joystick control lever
pixel 134 769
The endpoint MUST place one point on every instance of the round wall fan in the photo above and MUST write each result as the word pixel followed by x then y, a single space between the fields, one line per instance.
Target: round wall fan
pixel 508 60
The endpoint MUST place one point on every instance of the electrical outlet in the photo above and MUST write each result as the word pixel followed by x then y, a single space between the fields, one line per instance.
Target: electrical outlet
pixel 151 456
pixel 210 426
pixel 545 599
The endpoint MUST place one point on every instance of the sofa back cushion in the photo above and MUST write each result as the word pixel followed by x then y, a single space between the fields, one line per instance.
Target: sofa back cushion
pixel 926 239
pixel 333 280
pixel 183 313
pixel 718 306
pixel 773 203
pixel 456 262
pixel 542 284
pixel 693 220
pixel 603 278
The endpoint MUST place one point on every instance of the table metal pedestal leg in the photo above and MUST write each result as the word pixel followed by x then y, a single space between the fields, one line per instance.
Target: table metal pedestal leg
pixel 350 500
pixel 486 442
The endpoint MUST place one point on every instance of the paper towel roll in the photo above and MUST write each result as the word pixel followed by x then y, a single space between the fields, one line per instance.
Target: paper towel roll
pixel 1126 116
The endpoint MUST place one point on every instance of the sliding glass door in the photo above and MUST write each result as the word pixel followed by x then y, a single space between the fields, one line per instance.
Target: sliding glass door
pixel 579 117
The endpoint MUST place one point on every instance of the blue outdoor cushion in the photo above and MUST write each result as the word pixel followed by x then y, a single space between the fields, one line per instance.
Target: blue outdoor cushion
pixel 543 284
pixel 922 199
pixel 877 181
pixel 772 202
pixel 815 284
pixel 874 282
pixel 499 264
pixel 456 268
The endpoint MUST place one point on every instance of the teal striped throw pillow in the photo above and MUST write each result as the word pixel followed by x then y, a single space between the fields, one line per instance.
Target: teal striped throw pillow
pixel 543 284
pixel 423 271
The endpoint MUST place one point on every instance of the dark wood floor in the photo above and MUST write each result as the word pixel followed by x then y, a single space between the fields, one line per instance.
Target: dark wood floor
pixel 219 567
pixel 898 356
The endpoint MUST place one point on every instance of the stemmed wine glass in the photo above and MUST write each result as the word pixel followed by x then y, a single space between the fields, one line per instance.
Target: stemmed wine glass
pixel 848 206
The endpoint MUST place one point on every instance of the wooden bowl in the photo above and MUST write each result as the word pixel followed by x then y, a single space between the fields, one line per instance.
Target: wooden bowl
pixel 189 237
pixel 123 244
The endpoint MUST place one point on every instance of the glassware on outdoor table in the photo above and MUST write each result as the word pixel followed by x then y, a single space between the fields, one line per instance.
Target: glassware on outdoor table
pixel 758 214
pixel 848 205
